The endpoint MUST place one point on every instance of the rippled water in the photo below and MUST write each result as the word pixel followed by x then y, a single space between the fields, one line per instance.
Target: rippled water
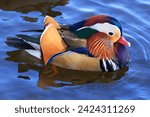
pixel 21 79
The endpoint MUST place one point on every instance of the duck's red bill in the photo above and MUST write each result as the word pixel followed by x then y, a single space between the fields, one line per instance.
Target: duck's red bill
pixel 123 41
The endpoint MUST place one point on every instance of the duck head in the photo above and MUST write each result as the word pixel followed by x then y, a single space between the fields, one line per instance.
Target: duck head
pixel 101 32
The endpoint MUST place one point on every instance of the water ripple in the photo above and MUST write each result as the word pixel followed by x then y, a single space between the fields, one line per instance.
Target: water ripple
pixel 134 84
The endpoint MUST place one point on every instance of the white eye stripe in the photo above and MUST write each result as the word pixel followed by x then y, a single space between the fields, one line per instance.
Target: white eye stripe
pixel 103 27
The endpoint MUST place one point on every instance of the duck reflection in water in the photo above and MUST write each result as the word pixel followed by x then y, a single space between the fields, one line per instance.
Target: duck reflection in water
pixel 51 75
pixel 42 6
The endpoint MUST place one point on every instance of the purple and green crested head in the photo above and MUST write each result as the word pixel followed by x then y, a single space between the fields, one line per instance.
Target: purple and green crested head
pixel 101 32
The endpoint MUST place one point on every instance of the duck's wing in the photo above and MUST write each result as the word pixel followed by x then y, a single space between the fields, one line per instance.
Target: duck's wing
pixel 30 44
pixel 23 42
pixel 17 43
pixel 32 41
pixel 71 39
pixel 29 38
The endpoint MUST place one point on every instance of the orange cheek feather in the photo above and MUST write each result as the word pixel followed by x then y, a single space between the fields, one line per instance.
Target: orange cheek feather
pixel 100 46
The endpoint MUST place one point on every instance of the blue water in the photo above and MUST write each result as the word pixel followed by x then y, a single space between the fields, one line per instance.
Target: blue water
pixel 21 78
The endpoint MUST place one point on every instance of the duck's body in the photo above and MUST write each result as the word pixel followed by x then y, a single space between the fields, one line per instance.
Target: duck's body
pixel 79 47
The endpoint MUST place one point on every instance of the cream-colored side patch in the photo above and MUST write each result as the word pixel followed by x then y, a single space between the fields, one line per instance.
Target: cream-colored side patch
pixel 76 61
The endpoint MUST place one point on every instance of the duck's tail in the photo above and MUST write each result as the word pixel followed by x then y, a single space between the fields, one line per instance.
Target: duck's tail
pixel 51 42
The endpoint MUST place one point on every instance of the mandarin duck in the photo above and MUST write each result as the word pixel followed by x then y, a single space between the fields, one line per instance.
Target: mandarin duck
pixel 94 44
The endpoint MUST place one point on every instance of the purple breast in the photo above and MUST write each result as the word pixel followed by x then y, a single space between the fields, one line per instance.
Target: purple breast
pixel 122 54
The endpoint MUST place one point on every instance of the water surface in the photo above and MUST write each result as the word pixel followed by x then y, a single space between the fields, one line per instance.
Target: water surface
pixel 24 77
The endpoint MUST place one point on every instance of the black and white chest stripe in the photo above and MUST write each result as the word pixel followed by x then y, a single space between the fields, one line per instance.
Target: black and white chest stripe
pixel 109 65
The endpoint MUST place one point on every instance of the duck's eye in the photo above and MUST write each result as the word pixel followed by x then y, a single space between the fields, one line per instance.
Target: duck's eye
pixel 111 33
